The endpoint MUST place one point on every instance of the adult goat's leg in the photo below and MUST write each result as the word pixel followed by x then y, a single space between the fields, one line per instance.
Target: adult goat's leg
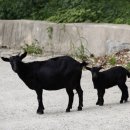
pixel 97 103
pixel 71 97
pixel 40 104
pixel 80 94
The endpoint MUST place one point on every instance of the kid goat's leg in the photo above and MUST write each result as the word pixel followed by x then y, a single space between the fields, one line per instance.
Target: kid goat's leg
pixel 126 93
pixel 124 90
pixel 100 93
pixel 40 104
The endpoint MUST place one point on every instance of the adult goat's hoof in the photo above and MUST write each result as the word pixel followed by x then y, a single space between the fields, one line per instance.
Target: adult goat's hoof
pixel 121 101
pixel 67 110
pixel 79 108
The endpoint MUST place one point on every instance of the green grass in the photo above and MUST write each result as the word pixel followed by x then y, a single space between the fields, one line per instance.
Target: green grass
pixel 34 48
pixel 112 61
pixel 128 66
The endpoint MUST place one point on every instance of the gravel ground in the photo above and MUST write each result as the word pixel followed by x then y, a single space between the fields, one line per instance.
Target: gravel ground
pixel 18 106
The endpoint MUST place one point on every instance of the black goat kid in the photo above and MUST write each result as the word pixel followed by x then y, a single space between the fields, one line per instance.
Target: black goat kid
pixel 53 74
pixel 109 78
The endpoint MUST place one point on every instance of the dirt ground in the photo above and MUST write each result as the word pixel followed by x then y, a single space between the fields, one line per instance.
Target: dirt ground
pixel 18 105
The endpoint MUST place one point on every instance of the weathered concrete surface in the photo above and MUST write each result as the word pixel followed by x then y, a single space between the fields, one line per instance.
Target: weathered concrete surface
pixel 100 39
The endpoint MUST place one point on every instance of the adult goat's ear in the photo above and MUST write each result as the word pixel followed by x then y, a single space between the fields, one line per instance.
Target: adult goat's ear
pixel 5 59
pixel 88 68
pixel 23 55
pixel 84 63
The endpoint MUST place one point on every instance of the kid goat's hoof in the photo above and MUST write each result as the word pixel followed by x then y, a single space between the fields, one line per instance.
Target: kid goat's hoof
pixel 126 100
pixel 97 103
pixel 100 104
pixel 40 112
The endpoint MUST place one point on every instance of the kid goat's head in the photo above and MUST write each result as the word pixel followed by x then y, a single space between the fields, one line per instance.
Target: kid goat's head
pixel 15 60
pixel 94 71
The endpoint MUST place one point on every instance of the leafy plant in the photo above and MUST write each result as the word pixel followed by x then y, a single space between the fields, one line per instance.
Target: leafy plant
pixel 128 66
pixel 119 20
pixel 81 52
pixel 63 11
pixel 34 48
pixel 69 15
pixel 112 60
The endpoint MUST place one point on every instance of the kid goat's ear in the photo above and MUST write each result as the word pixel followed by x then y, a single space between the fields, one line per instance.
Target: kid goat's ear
pixel 100 67
pixel 23 55
pixel 5 59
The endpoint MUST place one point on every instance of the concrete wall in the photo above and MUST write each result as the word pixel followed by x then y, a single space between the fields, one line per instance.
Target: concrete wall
pixel 99 39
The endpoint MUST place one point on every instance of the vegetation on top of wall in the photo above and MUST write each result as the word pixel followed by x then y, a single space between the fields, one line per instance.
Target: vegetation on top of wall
pixel 120 58
pixel 33 48
pixel 128 66
pixel 81 52
pixel 112 60
pixel 67 11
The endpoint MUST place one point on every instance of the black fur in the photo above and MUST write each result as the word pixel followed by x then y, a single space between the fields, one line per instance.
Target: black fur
pixel 53 74
pixel 109 78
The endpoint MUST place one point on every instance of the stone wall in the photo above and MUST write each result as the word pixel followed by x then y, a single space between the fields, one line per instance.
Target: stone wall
pixel 99 39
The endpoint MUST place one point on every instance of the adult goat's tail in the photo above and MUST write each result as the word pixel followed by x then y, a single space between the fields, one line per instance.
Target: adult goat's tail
pixel 128 73
pixel 83 64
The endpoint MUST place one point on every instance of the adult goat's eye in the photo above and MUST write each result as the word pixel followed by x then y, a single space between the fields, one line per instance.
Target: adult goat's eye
pixel 14 65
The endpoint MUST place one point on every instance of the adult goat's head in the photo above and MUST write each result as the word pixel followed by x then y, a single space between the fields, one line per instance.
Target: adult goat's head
pixel 15 60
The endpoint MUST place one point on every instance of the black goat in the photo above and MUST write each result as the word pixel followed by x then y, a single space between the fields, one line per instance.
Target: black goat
pixel 53 74
pixel 109 78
